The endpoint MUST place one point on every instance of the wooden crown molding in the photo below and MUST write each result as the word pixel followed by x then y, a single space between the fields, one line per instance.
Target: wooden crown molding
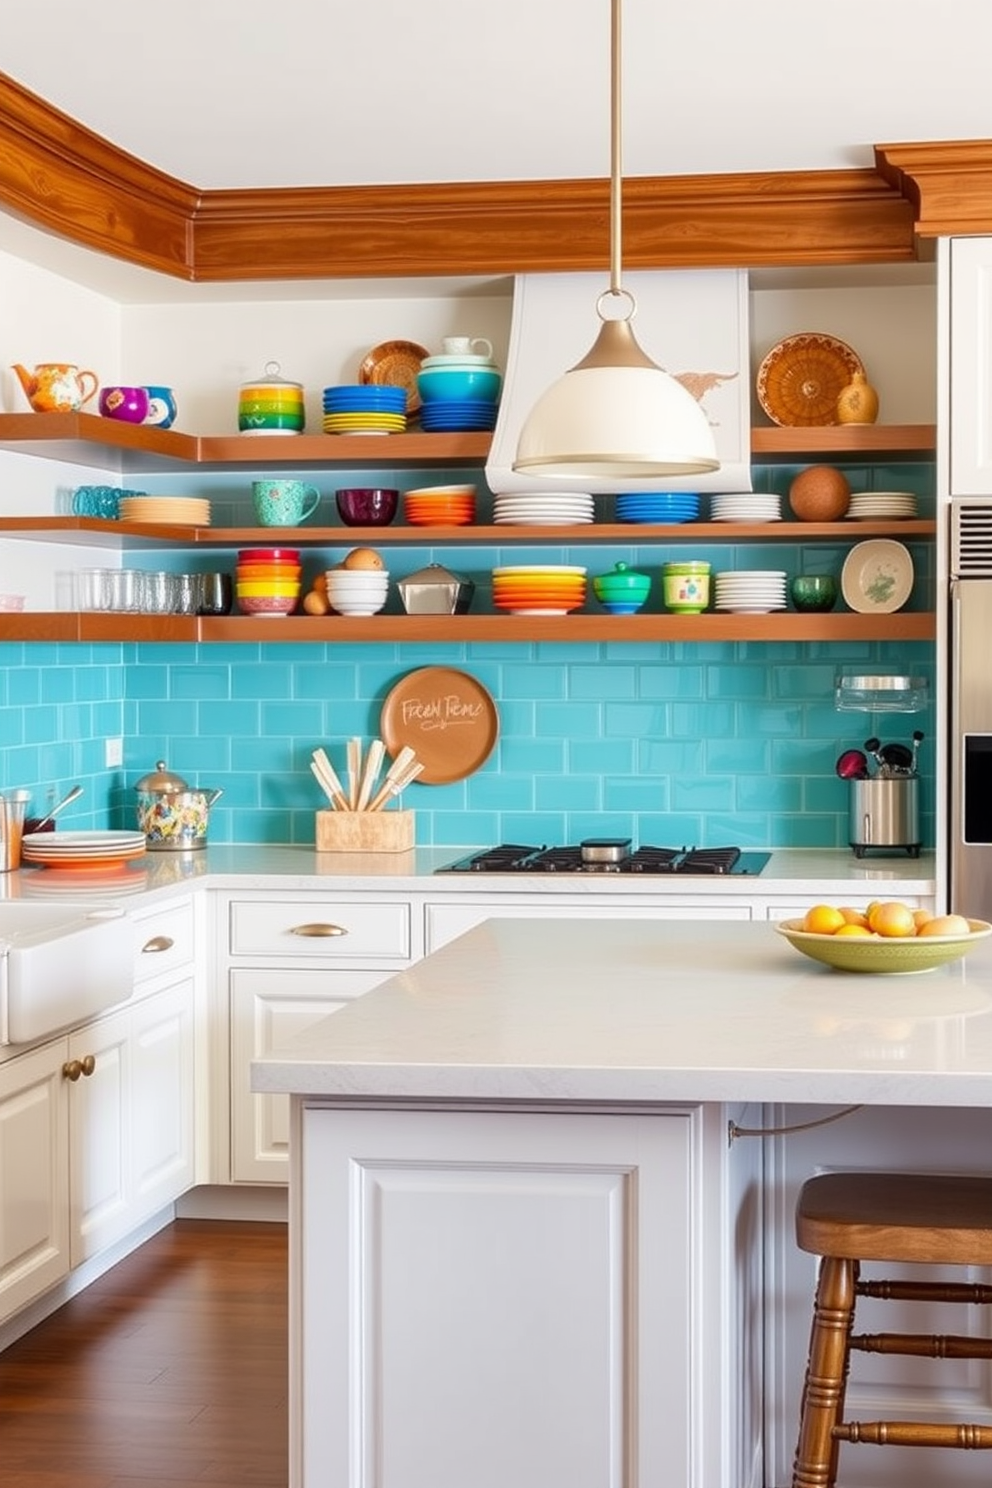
pixel 70 181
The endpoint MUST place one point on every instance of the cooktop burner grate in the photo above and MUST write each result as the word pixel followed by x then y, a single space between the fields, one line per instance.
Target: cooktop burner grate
pixel 514 858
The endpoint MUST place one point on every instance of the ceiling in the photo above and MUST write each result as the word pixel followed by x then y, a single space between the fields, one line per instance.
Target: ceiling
pixel 244 94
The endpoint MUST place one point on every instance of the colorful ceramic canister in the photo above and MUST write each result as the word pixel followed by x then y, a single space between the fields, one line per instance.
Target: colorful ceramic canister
pixel 161 407
pixel 271 404
pixel 686 587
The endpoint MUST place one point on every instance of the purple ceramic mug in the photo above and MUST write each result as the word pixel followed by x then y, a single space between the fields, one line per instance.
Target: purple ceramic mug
pixel 129 404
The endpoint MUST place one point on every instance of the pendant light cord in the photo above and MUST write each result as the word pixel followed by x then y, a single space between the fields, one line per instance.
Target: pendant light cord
pixel 616 110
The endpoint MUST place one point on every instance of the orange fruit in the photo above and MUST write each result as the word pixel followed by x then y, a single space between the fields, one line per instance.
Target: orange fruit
pixel 920 917
pixel 822 919
pixel 316 603
pixel 849 929
pixel 854 916
pixel 319 585
pixel 363 558
pixel 892 919
pixel 949 924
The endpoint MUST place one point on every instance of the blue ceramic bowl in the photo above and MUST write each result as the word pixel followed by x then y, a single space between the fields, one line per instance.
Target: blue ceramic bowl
pixel 449 383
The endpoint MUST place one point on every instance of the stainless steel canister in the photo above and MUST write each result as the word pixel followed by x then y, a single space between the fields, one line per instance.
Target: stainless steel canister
pixel 885 813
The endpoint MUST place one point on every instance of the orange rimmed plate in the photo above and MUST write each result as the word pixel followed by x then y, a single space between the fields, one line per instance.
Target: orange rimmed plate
pixel 800 379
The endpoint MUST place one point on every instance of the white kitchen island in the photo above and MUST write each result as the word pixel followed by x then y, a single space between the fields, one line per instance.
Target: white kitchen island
pixel 527 1243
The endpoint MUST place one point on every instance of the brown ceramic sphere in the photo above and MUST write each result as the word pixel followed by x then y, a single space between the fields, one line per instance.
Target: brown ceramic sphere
pixel 820 494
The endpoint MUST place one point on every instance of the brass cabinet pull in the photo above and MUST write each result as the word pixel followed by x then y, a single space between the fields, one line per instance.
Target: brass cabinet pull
pixel 158 943
pixel 73 1068
pixel 318 929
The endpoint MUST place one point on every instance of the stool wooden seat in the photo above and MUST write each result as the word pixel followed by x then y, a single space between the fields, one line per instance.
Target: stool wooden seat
pixel 847 1218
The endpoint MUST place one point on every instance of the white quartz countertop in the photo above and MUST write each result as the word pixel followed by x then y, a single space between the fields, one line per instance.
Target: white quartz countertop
pixel 644 1011
pixel 814 872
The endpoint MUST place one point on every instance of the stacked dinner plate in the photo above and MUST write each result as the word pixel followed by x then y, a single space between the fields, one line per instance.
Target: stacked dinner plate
pixel 750 591
pixel 543 509
pixel 747 506
pixel 539 589
pixel 362 408
pixel 184 511
pixel 440 506
pixel 885 506
pixel 660 507
pixel 77 852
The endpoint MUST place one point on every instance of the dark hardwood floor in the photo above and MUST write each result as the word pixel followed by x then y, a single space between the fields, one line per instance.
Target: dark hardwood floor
pixel 169 1370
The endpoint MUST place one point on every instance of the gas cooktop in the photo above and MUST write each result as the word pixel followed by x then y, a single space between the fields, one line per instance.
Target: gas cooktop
pixel 589 858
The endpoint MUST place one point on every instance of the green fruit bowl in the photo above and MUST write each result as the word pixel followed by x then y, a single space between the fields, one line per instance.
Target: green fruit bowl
pixel 884 955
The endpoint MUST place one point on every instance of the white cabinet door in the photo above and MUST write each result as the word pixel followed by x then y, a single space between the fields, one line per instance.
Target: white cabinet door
pixel 266 1009
pixel 34 1178
pixel 163 1099
pixel 971 367
pixel 496 1298
pixel 100 1134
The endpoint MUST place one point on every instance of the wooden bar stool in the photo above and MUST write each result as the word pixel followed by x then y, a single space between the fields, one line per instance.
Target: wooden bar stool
pixel 847 1218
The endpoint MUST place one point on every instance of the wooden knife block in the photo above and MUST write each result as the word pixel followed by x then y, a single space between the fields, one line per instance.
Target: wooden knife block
pixel 365 831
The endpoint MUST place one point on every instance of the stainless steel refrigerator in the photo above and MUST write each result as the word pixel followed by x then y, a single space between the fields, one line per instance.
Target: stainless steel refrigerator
pixel 970 679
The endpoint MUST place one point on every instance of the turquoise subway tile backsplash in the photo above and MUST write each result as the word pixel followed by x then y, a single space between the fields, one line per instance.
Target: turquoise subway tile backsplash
pixel 708 744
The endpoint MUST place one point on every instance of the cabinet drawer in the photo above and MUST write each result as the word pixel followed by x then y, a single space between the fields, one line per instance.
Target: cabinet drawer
pixel 331 929
pixel 164 938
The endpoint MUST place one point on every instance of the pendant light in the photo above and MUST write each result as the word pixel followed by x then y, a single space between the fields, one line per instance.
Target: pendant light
pixel 616 414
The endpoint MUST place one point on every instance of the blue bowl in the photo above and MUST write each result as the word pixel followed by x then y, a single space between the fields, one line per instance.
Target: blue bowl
pixel 445 384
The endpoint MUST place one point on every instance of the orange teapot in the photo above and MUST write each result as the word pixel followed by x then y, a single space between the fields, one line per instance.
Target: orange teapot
pixel 57 387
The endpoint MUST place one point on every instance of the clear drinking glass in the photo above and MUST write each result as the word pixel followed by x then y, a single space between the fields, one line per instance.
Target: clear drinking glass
pixel 156 591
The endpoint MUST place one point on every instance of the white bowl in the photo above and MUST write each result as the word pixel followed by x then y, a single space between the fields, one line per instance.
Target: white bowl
pixel 357 606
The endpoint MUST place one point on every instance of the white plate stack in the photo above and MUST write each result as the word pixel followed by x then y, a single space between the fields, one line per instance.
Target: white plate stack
pixel 747 506
pixel 885 506
pixel 753 591
pixel 543 509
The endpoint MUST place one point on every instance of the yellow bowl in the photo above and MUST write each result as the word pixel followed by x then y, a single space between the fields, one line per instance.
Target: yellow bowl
pixel 266 588
pixel 885 955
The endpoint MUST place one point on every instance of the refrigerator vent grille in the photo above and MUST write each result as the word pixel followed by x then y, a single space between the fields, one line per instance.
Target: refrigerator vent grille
pixel 971 539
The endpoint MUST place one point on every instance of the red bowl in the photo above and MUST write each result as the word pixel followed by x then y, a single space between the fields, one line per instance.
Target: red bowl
pixel 269 555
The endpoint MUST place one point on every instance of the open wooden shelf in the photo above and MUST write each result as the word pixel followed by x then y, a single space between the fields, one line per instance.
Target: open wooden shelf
pixel 89 439
pixel 779 626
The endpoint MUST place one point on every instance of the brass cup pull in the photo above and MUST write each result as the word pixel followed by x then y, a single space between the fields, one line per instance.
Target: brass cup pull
pixel 73 1068
pixel 318 929
pixel 157 943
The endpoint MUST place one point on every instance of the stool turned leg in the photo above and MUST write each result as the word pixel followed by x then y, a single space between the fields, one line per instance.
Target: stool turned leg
pixel 826 1375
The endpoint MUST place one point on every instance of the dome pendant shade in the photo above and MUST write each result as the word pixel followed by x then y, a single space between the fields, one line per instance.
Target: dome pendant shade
pixel 616 415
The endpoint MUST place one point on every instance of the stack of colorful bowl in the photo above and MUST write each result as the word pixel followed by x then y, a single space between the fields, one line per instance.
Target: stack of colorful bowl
pixel 360 408
pixel 458 393
pixel 267 581
pixel 440 506
pixel 539 589
pixel 658 507
pixel 271 404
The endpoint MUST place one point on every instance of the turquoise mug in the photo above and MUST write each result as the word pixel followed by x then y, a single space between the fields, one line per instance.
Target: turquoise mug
pixel 161 407
pixel 283 503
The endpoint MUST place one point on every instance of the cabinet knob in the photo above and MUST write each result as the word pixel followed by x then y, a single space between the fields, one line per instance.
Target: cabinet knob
pixel 318 929
pixel 156 944
pixel 74 1068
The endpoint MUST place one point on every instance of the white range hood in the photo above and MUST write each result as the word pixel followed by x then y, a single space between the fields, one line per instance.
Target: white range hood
pixel 694 324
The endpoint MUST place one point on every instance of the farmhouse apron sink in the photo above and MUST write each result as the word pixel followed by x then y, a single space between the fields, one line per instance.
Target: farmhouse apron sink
pixel 59 965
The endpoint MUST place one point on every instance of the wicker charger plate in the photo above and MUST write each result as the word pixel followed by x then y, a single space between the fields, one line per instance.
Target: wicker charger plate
pixel 801 378
pixel 395 364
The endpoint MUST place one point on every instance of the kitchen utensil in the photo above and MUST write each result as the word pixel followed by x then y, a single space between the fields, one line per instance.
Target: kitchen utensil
pixel 327 776
pixel 390 788
pixel 172 816
pixel 873 746
pixel 435 590
pixel 370 773
pixel 897 758
pixel 70 796
pixel 128 404
pixel 852 765
pixel 877 577
pixel 354 756
pixel 13 805
pixel 917 741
